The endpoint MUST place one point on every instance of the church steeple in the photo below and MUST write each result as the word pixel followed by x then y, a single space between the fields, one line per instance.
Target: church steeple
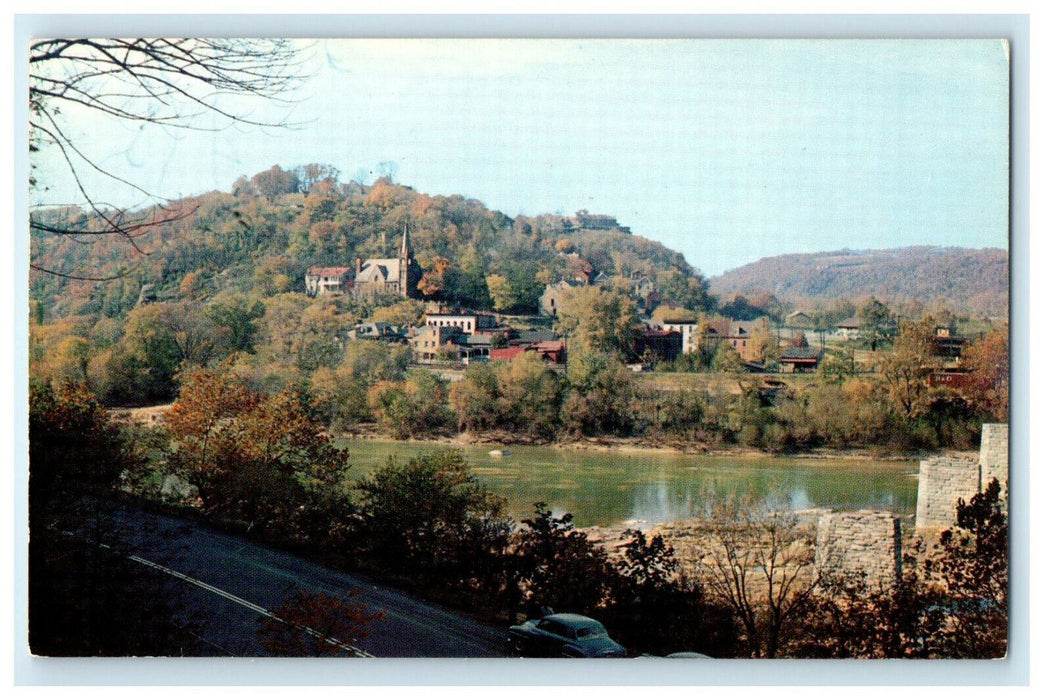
pixel 405 262
pixel 406 247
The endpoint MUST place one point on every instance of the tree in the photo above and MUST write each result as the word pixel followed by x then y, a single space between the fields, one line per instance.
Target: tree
pixel 317 624
pixel 192 286
pixel 875 318
pixel 410 407
pixel 86 600
pixel 68 359
pixel 255 458
pixel 906 365
pixel 165 83
pixel 988 384
pixel 430 515
pixel 314 173
pixel 338 397
pixel 241 187
pixel 835 366
pixel 597 321
pixel 408 312
pixel 850 619
pixel 274 182
pixel 434 283
pixel 240 314
pixel 686 290
pixel 761 567
pixel 973 567
pixel 728 360
pixel 951 602
pixel 302 332
pixel 765 342
pixel 651 606
pixel 501 292
pixel 600 395
pixel 158 339
pixel 340 394
pixel 559 567
pixel 740 308
pixel 474 398
pixel 530 395
pixel 73 446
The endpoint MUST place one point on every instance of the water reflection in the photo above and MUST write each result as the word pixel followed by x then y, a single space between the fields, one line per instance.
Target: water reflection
pixel 641 489
pixel 656 503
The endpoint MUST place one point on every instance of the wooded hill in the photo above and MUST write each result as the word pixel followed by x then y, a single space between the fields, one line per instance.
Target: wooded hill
pixel 262 236
pixel 966 281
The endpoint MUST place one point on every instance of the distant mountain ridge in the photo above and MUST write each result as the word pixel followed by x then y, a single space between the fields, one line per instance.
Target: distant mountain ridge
pixel 973 281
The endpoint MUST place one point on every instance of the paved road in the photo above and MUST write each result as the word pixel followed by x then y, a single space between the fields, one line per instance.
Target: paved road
pixel 231 584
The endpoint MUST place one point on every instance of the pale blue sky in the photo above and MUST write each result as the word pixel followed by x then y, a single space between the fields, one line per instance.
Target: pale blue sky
pixel 728 150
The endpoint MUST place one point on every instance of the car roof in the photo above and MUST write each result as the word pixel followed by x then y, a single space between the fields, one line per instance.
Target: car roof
pixel 571 618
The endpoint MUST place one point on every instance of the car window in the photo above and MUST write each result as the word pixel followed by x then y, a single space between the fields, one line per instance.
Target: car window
pixel 590 632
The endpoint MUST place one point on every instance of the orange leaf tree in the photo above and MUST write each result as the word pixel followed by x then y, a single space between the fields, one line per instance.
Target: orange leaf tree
pixel 987 385
pixel 316 624
pixel 252 457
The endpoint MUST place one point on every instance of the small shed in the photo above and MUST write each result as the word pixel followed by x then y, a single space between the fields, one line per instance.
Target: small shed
pixel 799 360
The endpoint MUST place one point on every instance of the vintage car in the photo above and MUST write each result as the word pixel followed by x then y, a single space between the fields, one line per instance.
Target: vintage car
pixel 563 634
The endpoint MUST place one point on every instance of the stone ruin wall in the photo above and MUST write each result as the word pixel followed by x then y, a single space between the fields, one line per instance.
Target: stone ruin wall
pixel 865 543
pixel 945 480
pixel 993 458
pixel 870 541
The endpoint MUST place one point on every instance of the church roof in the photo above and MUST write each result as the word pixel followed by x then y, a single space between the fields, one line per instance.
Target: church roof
pixel 379 270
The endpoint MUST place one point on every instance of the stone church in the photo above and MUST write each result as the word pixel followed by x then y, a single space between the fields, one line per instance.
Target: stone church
pixel 398 276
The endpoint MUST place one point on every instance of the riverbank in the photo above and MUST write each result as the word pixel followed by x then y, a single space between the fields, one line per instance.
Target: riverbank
pixel 154 415
pixel 642 446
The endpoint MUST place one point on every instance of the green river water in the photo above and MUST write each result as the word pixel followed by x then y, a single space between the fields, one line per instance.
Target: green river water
pixel 644 488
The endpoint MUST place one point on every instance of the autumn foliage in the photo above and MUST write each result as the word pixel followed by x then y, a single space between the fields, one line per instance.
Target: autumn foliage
pixel 250 456
pixel 988 384
pixel 317 624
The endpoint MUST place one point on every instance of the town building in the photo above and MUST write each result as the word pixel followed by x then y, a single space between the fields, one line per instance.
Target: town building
pixel 553 352
pixel 380 331
pixel 595 222
pixel 554 296
pixel 642 286
pixel 947 345
pixel 396 276
pixel 434 343
pixel 738 334
pixel 948 378
pixel 329 280
pixel 799 319
pixel 849 329
pixel 656 344
pixel 686 326
pixel 796 360
pixel 467 322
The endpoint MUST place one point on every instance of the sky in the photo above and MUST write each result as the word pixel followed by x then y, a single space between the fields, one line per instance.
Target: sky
pixel 726 150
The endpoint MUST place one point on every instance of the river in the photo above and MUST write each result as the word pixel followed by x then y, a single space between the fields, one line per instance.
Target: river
pixel 643 488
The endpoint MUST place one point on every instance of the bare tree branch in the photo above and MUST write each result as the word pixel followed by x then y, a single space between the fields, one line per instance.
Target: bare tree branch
pixel 164 82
